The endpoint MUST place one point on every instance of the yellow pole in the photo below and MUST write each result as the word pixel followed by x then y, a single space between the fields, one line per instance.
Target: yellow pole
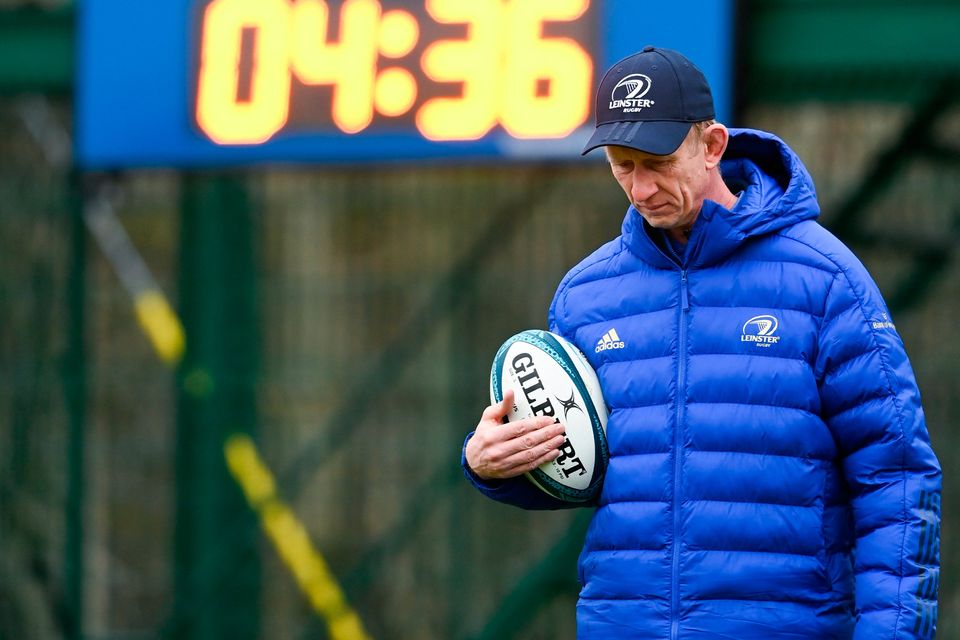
pixel 310 570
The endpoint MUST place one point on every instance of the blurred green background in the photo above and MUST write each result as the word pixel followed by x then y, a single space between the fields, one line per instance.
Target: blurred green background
pixel 345 318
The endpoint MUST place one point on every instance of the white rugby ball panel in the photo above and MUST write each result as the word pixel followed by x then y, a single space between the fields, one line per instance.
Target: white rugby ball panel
pixel 550 377
pixel 589 378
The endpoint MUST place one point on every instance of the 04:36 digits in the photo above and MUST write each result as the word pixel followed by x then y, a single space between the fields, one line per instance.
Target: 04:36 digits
pixel 508 72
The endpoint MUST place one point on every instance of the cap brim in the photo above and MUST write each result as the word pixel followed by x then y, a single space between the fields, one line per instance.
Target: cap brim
pixel 658 137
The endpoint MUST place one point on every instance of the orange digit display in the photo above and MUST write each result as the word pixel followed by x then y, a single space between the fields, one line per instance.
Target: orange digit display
pixel 221 114
pixel 396 88
pixel 349 65
pixel 544 79
pixel 445 70
pixel 472 62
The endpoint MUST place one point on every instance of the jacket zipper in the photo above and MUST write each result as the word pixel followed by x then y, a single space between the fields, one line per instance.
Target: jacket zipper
pixel 677 449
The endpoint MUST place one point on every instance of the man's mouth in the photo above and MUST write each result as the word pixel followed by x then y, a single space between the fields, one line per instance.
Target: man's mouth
pixel 652 208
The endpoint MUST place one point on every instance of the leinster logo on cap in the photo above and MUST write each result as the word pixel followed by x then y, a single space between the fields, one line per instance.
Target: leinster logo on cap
pixel 628 93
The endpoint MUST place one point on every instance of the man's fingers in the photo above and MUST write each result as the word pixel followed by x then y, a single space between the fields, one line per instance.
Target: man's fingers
pixel 521 429
pixel 530 459
pixel 494 451
pixel 530 434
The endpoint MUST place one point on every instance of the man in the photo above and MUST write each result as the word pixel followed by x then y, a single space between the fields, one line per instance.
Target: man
pixel 770 472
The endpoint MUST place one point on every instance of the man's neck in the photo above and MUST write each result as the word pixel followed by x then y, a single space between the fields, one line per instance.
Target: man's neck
pixel 681 234
pixel 719 193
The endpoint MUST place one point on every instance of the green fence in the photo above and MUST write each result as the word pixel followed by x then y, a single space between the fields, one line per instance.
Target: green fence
pixel 345 320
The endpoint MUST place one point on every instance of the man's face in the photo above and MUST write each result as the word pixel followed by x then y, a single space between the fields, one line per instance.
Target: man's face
pixel 668 191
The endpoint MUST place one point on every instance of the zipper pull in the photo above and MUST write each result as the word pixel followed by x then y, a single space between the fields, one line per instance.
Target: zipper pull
pixel 684 298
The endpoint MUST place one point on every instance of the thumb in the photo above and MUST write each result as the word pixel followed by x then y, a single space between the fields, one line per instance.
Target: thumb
pixel 499 411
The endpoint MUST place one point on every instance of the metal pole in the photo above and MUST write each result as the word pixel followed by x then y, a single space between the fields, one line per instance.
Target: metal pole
pixel 217 390
pixel 75 384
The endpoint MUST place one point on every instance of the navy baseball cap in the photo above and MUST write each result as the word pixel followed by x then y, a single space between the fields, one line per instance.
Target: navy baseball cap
pixel 649 101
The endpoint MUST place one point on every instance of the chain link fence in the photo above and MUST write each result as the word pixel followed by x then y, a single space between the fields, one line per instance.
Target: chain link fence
pixel 380 295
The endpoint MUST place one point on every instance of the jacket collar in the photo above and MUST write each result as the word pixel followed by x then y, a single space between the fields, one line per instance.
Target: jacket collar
pixel 777 192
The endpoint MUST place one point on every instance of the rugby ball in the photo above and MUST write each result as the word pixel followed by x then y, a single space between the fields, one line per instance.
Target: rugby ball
pixel 550 377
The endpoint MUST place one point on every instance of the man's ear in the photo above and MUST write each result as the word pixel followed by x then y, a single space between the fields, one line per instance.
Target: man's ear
pixel 715 139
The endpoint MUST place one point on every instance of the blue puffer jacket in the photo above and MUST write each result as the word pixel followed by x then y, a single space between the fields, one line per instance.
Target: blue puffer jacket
pixel 770 475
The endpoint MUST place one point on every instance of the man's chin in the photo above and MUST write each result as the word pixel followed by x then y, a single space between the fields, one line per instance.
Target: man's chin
pixel 659 218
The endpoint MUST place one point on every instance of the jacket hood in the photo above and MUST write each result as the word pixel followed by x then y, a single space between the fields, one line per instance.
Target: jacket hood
pixel 776 192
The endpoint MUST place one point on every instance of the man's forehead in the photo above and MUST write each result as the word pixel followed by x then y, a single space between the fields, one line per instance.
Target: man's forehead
pixel 618 152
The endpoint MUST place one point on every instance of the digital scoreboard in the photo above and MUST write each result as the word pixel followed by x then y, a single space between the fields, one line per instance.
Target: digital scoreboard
pixel 182 83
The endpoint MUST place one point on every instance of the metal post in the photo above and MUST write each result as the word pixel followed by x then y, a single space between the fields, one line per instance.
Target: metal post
pixel 216 394
pixel 74 375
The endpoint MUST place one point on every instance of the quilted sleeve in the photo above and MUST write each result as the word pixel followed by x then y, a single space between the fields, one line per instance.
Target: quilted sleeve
pixel 870 401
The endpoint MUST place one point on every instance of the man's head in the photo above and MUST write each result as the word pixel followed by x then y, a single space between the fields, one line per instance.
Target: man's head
pixel 655 118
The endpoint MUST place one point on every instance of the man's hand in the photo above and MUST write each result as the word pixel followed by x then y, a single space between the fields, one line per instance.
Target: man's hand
pixel 499 450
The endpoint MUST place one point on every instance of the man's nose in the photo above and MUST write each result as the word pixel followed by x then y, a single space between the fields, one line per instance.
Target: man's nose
pixel 643 185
